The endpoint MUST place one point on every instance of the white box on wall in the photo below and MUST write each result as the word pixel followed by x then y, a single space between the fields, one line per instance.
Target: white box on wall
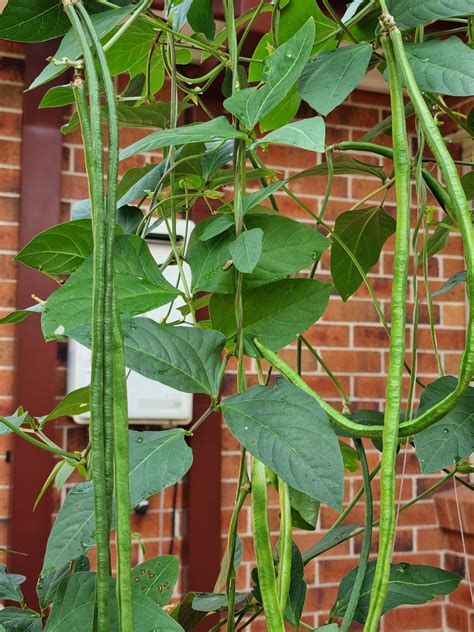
pixel 149 402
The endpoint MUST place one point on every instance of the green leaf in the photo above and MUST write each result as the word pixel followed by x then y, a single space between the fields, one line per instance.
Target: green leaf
pixel 304 510
pixel 17 420
pixel 75 403
pixel 443 66
pixel 349 457
pixel 47 586
pixel 410 13
pixel 408 584
pixel 150 115
pixel 287 430
pixel 158 459
pixel 57 97
pixel 329 541
pixel 200 18
pixel 364 232
pixel 451 438
pixel 284 112
pixel 294 15
pixel 70 48
pixel 305 134
pixel 129 218
pixel 185 615
pixel 33 21
pixel 20 620
pixel 60 249
pixel 328 80
pixel 343 165
pixel 331 627
pixel 467 181
pixel 288 246
pixel 275 313
pixel 213 602
pixel 140 287
pixel 459 277
pixel 215 129
pixel 156 578
pixel 262 51
pixel 136 182
pixel 20 314
pixel 214 226
pixel 185 358
pixel 247 249
pixel 297 594
pixel 10 585
pixel 280 71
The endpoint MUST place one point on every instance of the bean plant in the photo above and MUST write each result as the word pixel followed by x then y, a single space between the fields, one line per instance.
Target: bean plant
pixel 256 271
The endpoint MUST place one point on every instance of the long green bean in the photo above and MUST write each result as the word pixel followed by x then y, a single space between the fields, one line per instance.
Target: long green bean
pixel 285 545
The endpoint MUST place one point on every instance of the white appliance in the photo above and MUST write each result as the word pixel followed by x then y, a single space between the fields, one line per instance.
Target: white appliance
pixel 149 402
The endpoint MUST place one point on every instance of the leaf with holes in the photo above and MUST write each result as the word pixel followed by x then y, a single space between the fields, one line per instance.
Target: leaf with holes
pixel 60 249
pixel 185 358
pixel 281 70
pixel 287 430
pixel 328 80
pixel 246 250
pixel 451 438
pixel 140 287
pixel 156 578
pixel 408 584
pixel 409 13
pixel 364 233
pixel 305 134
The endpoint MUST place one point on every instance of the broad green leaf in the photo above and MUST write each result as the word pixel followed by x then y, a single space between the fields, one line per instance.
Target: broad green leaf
pixel 284 112
pixel 156 578
pixel 17 420
pixel 287 430
pixel 33 21
pixel 275 313
pixel 459 277
pixel 294 15
pixel 70 48
pixel 10 585
pixel 158 459
pixel 57 97
pixel 200 18
pixel 304 510
pixel 408 584
pixel 215 129
pixel 409 13
pixel 262 51
pixel 178 13
pixel 208 229
pixel 185 358
pixel 251 200
pixel 305 134
pixel 212 602
pixel 443 66
pixel 297 594
pixel 288 246
pixel 467 181
pixel 352 8
pixel 129 218
pixel 246 250
pixel 451 438
pixel 364 232
pixel 439 239
pixel 20 314
pixel 280 71
pixel 74 403
pixel 60 249
pixel 151 115
pixel 331 627
pixel 185 615
pixel 20 620
pixel 140 287
pixel 329 541
pixel 73 607
pixel 349 457
pixel 137 181
pixel 328 80
pixel 47 586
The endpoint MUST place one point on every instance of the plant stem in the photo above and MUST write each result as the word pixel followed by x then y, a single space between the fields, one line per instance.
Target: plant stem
pixel 366 543
pixel 397 344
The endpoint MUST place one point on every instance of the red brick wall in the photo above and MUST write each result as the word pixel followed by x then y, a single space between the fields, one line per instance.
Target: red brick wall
pixel 349 338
